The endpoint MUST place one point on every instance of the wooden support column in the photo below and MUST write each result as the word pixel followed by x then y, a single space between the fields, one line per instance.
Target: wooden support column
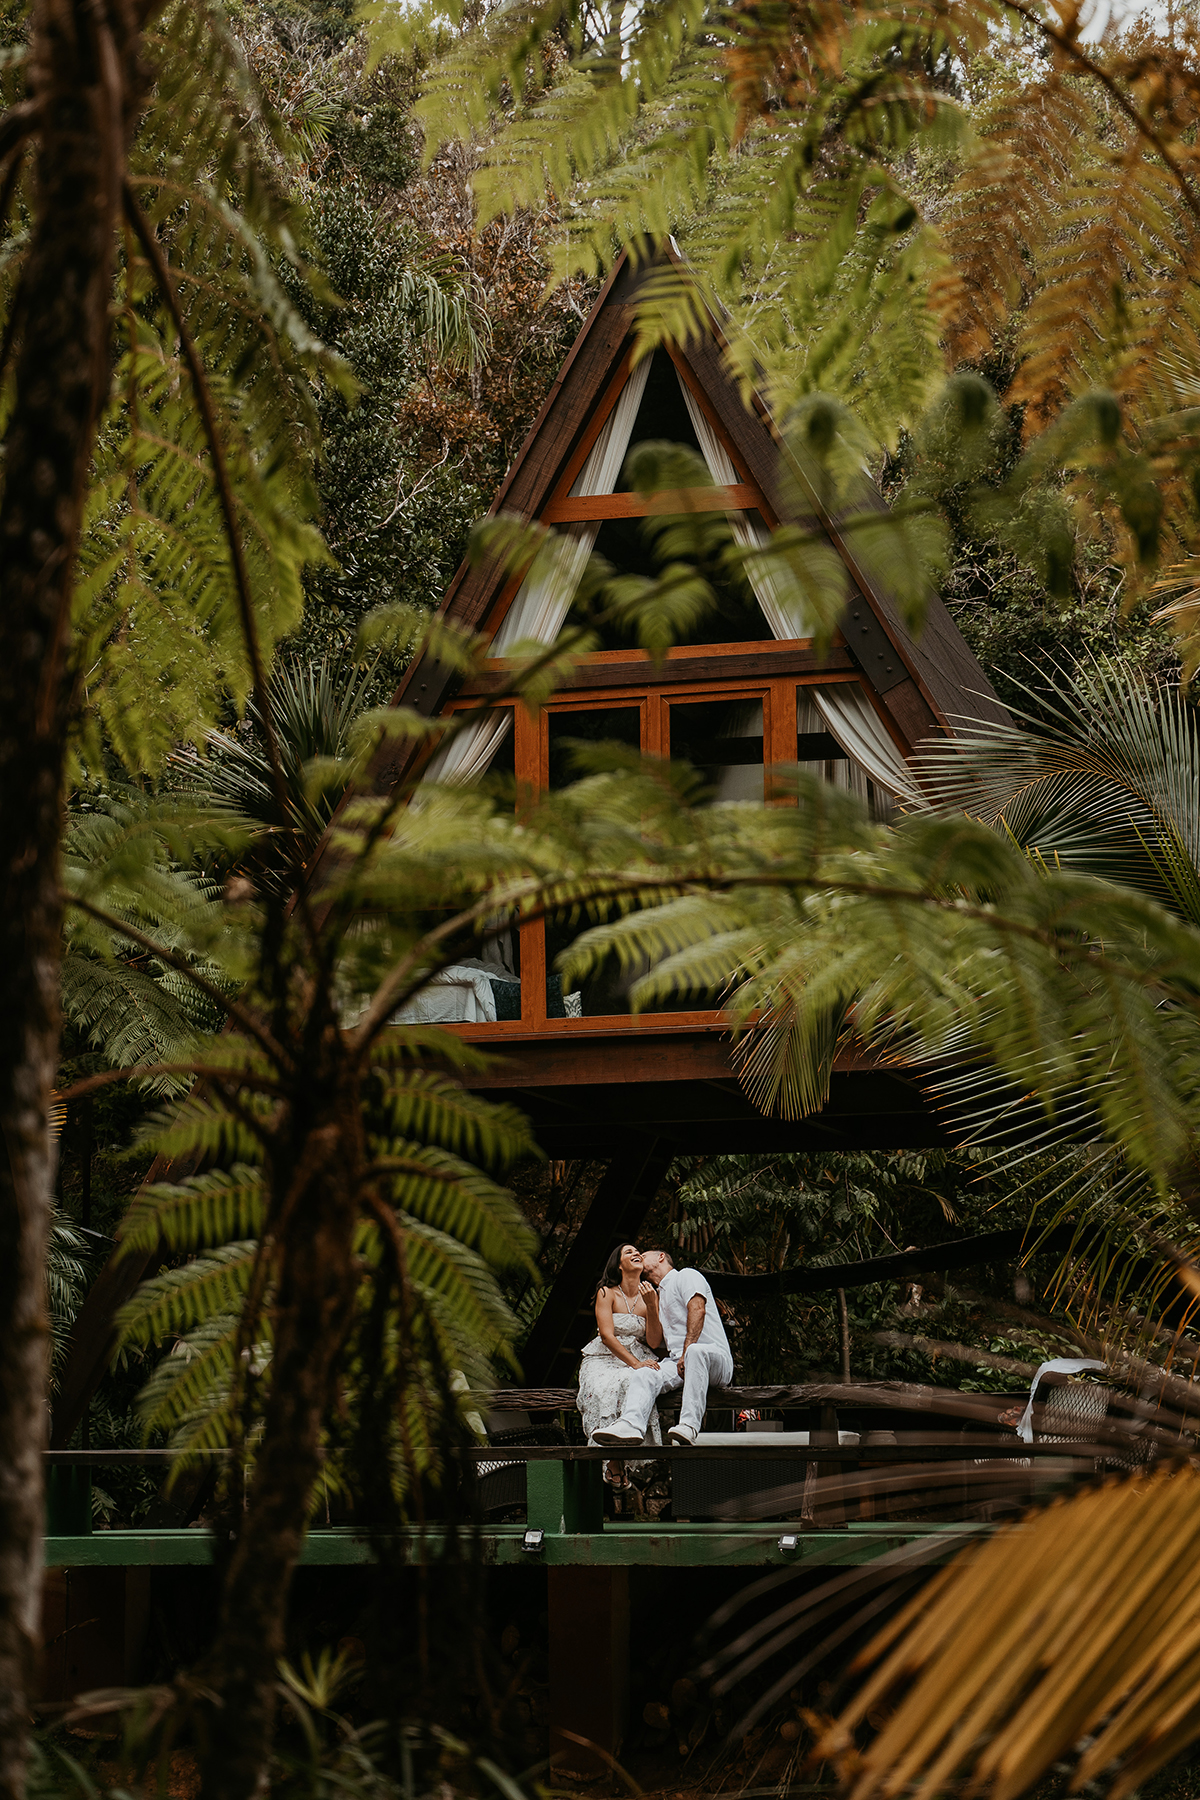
pixel 92 1636
pixel 622 1201
pixel 589 1667
pixel 828 1512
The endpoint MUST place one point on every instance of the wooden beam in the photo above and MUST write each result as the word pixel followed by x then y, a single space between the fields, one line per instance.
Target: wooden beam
pixel 726 665
pixel 960 1253
pixel 620 1204
pixel 575 508
pixel 631 1050
pixel 652 1546
pixel 588 1630
pixel 620 1056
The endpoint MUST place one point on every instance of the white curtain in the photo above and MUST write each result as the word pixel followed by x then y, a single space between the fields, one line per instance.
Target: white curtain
pixel 853 721
pixel 544 598
pixel 847 712
pixel 469 755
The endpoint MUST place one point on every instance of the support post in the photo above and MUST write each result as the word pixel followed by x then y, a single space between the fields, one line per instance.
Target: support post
pixel 68 1500
pixel 565 1497
pixel 829 1512
pixel 621 1203
pixel 589 1667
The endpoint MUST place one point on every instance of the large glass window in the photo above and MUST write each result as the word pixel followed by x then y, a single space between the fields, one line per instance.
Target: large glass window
pixel 570 733
pixel 569 736
pixel 731 737
pixel 734 616
pixel 723 741
pixel 818 751
pixel 663 415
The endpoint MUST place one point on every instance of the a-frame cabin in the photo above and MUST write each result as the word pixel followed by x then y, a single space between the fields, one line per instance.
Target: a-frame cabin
pixel 596 1081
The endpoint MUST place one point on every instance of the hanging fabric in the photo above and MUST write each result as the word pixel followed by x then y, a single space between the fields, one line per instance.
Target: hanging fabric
pixel 469 755
pixel 784 620
pixel 847 712
pixel 544 598
pixel 1058 1365
pixel 853 721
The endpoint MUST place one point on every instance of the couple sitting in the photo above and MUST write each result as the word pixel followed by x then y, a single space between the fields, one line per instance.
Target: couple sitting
pixel 647 1308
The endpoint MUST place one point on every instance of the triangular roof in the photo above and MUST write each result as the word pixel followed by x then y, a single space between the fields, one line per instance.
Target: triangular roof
pixel 925 686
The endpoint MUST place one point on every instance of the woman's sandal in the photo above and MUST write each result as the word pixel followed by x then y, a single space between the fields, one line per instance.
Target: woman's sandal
pixel 616 1476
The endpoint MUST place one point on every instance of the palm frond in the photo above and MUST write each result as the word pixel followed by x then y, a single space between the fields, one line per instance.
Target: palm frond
pixel 1104 779
pixel 1072 1634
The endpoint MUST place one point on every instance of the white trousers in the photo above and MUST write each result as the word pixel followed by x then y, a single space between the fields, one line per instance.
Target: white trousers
pixel 705 1366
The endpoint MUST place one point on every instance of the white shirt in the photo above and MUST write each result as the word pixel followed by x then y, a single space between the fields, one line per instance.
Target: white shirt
pixel 676 1288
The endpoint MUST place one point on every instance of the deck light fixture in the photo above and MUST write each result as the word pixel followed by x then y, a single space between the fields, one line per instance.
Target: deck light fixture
pixel 533 1542
pixel 788 1542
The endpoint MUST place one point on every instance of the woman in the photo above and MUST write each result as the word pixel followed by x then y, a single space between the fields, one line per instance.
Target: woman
pixel 626 1326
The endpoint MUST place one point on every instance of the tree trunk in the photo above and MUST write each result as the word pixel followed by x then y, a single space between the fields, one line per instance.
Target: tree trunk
pixel 83 76
pixel 318 1281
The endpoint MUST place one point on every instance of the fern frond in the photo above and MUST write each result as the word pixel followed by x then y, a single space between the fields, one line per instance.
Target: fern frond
pixel 202 1127
pixel 189 1389
pixel 202 1212
pixel 427 1108
pixel 209 1287
pixel 431 1184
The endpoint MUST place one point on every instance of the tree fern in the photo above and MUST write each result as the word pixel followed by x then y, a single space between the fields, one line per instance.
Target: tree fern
pixel 214 1284
pixel 374 1268
pixel 205 1211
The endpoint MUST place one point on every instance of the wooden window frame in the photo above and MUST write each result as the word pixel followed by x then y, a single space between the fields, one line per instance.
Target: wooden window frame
pixel 577 509
pixel 776 691
pixel 562 507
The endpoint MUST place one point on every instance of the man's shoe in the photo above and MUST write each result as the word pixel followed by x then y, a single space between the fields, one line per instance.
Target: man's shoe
pixel 619 1435
pixel 682 1434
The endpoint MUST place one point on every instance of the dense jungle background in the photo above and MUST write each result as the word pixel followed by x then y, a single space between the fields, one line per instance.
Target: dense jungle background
pixel 453 335
pixel 406 469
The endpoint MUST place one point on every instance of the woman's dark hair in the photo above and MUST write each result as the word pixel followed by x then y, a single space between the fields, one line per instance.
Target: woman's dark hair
pixel 612 1270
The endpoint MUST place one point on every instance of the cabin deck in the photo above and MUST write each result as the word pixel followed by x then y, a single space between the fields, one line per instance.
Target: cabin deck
pixel 618 1544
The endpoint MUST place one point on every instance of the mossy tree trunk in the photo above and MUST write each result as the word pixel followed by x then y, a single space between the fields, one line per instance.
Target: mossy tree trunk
pixel 84 91
pixel 316 1183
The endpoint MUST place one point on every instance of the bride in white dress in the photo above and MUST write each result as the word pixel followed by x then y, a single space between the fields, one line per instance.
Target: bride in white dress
pixel 627 1324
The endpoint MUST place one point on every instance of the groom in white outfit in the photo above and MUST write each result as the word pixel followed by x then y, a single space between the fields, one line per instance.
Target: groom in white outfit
pixel 699 1355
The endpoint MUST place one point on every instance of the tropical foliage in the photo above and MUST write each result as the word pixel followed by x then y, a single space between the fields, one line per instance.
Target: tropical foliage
pixel 350 1200
pixel 859 199
pixel 1106 780
pixel 346 1234
pixel 754 1215
pixel 1071 1632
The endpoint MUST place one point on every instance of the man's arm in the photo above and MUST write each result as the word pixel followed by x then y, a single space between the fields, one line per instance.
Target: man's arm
pixel 655 1336
pixel 695 1325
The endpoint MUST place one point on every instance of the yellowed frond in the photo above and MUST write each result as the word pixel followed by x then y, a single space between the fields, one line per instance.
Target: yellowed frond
pixel 1076 1631
pixel 1002 211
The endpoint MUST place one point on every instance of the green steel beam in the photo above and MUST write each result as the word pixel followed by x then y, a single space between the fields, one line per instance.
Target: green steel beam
pixel 619 1545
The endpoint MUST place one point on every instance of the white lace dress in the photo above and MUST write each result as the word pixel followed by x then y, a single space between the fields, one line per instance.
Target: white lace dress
pixel 603 1378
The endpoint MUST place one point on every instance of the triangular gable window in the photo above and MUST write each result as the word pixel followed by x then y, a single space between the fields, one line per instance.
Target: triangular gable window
pixel 663 412
pixel 654 402
pixel 668 413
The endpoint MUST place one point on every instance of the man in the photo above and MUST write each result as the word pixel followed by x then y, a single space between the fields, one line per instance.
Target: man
pixel 699 1357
